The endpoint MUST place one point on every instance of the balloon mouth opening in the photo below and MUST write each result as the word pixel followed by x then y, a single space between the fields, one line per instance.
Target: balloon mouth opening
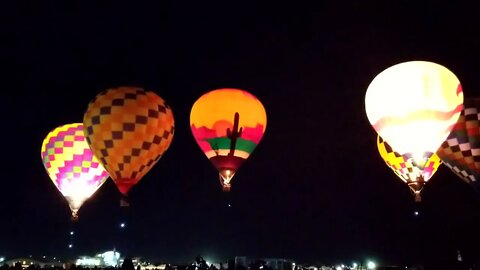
pixel 124 185
pixel 420 160
pixel 226 176
pixel 74 215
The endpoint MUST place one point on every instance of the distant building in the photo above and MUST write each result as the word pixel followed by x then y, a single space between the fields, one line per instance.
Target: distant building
pixel 242 263
pixel 109 258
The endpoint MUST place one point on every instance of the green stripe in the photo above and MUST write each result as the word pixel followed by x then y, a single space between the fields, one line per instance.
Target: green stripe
pixel 224 143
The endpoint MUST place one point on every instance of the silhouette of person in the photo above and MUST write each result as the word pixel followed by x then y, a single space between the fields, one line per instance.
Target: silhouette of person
pixel 127 264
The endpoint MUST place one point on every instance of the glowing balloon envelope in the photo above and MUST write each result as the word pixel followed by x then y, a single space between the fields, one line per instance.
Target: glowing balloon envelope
pixel 461 150
pixel 128 130
pixel 414 106
pixel 406 169
pixel 228 124
pixel 71 165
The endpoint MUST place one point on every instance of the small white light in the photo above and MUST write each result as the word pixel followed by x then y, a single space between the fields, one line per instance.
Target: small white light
pixel 371 265
pixel 71 233
pixel 122 225
pixel 70 246
pixel 354 265
pixel 416 213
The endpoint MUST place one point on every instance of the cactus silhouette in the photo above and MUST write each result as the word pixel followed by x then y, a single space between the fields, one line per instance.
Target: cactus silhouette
pixel 234 134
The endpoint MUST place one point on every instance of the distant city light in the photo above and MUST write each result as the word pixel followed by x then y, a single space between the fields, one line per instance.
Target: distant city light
pixel 122 225
pixel 88 261
pixel 71 233
pixel 416 213
pixel 110 258
pixel 44 256
pixel 2 259
pixel 354 265
pixel 371 265
pixel 229 205
pixel 339 268
pixel 70 246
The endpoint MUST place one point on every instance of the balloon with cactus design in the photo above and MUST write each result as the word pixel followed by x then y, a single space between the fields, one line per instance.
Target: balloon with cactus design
pixel 228 124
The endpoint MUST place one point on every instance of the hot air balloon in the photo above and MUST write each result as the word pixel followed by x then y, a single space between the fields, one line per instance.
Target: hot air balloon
pixel 461 150
pixel 414 106
pixel 405 169
pixel 71 165
pixel 228 124
pixel 128 130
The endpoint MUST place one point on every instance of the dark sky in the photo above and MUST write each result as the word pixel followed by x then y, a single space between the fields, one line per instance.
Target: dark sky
pixel 314 190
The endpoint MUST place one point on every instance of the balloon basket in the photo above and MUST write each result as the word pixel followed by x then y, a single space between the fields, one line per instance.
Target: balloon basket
pixel 226 188
pixel 124 202
pixel 418 197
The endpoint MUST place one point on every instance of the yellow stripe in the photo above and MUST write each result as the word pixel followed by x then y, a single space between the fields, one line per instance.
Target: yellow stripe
pixel 237 153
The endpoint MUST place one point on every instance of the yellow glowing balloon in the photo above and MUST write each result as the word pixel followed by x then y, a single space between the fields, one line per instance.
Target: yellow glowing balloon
pixel 414 106
pixel 71 165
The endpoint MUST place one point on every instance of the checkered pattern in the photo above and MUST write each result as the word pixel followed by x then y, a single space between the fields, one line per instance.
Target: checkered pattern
pixel 128 129
pixel 404 167
pixel 71 164
pixel 461 150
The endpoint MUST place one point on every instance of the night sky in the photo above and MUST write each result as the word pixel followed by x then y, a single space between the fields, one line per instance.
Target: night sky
pixel 314 190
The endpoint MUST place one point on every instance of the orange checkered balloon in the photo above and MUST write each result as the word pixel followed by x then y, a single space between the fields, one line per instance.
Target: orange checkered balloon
pixel 128 130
